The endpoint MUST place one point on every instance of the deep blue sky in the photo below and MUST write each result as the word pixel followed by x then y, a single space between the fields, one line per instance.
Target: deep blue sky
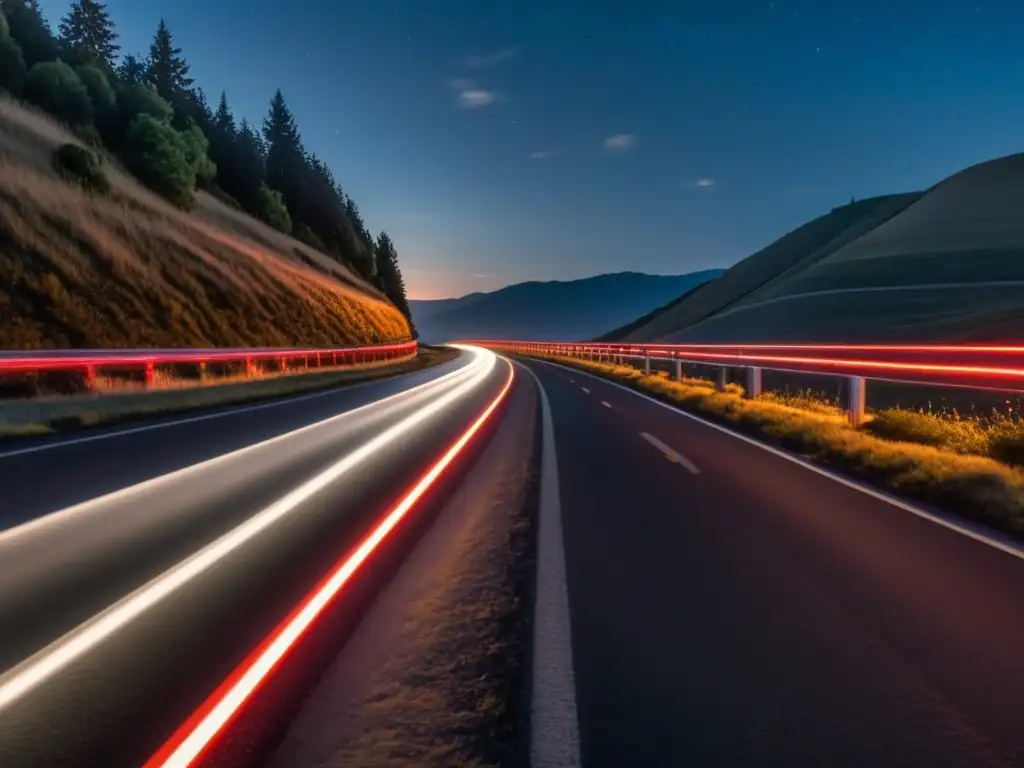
pixel 430 113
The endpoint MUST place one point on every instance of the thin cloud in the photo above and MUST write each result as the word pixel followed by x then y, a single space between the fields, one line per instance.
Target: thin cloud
pixel 620 142
pixel 545 154
pixel 480 275
pixel 471 96
pixel 477 98
pixel 705 182
pixel 492 59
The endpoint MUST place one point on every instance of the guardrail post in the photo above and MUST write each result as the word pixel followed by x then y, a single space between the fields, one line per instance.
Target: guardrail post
pixel 90 378
pixel 679 370
pixel 722 379
pixel 647 363
pixel 753 382
pixel 856 400
pixel 149 375
pixel 250 367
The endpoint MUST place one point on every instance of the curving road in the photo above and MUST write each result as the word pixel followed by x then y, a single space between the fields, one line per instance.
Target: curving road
pixel 140 566
pixel 701 599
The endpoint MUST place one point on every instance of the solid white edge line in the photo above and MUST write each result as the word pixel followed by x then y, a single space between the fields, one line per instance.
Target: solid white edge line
pixel 55 517
pixel 676 455
pixel 227 410
pixel 44 664
pixel 554 725
pixel 991 538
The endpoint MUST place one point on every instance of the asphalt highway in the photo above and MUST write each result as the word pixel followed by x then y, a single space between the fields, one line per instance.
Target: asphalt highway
pixel 730 607
pixel 720 603
pixel 184 546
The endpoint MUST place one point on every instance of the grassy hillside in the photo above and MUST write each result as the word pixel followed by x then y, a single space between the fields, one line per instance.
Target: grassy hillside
pixel 797 249
pixel 129 269
pixel 949 266
pixel 569 310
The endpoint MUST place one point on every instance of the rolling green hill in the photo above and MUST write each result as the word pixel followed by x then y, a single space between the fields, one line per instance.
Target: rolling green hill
pixel 944 264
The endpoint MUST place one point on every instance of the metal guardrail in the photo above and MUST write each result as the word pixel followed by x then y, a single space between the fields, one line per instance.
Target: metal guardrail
pixel 89 362
pixel 990 367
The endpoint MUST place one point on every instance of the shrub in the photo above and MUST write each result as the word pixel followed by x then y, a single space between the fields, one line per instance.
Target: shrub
pixel 54 87
pixel 12 67
pixel 100 93
pixel 5 29
pixel 158 155
pixel 953 432
pixel 81 166
pixel 273 210
pixel 134 100
pixel 197 147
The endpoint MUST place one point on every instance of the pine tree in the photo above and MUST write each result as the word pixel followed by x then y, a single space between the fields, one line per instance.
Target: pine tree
pixel 88 35
pixel 239 159
pixel 389 275
pixel 167 70
pixel 132 71
pixel 223 120
pixel 285 155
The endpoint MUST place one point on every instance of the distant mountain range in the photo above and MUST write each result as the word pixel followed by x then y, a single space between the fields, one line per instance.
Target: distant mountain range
pixel 556 310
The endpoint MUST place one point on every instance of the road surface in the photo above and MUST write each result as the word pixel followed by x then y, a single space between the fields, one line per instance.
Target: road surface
pixel 730 607
pixel 140 566
pixel 723 605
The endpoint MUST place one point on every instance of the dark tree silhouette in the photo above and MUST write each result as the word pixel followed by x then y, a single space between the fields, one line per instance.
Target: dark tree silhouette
pixel 29 29
pixel 389 275
pixel 132 70
pixel 88 35
pixel 167 70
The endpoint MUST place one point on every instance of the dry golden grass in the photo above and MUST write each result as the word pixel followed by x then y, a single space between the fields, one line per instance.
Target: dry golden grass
pixel 977 487
pixel 133 271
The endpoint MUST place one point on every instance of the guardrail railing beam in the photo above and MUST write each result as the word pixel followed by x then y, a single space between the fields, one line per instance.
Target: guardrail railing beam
pixel 993 367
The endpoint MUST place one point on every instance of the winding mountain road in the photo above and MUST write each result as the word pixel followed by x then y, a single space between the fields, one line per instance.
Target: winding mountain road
pixel 702 599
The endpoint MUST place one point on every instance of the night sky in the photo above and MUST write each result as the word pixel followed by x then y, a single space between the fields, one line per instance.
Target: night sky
pixel 547 139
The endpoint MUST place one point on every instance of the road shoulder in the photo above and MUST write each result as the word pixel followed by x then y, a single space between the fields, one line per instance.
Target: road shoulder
pixel 436 672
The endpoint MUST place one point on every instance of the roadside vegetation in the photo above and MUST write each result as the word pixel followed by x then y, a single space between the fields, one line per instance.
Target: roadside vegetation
pixel 248 239
pixel 955 462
